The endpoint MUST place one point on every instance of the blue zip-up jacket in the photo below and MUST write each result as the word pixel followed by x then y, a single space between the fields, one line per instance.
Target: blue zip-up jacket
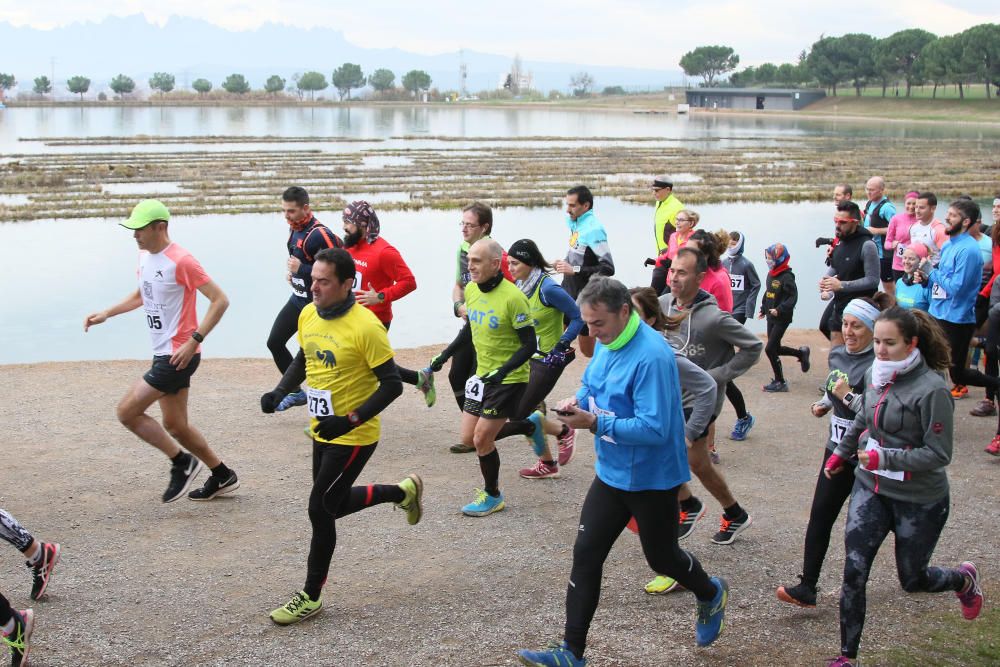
pixel 958 274
pixel 636 394
pixel 588 250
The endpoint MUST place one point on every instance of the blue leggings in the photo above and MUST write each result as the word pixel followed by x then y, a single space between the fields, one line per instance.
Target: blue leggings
pixel 870 519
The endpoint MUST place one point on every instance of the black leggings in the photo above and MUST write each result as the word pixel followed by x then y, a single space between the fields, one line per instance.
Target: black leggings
pixel 284 327
pixel 775 332
pixel 335 468
pixel 6 613
pixel 606 511
pixel 828 499
pixel 870 519
pixel 733 392
pixel 463 365
pixel 959 337
pixel 540 383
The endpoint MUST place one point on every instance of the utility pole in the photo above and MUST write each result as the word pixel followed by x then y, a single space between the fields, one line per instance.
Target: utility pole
pixel 463 73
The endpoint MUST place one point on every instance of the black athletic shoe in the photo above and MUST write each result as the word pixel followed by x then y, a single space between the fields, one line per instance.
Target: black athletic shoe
pixel 801 595
pixel 729 530
pixel 688 520
pixel 213 487
pixel 41 571
pixel 776 385
pixel 19 639
pixel 181 477
pixel 804 358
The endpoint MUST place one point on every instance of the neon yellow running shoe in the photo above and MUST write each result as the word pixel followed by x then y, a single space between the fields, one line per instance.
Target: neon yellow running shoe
pixel 425 383
pixel 413 490
pixel 661 585
pixel 299 608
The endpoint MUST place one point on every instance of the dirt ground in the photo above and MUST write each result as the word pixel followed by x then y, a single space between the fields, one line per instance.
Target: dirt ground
pixel 143 583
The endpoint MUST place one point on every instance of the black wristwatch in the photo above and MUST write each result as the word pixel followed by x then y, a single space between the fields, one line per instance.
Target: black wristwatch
pixel 198 338
pixel 381 297
pixel 849 398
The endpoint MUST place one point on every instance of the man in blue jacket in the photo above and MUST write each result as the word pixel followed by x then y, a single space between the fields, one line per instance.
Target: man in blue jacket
pixel 954 287
pixel 631 401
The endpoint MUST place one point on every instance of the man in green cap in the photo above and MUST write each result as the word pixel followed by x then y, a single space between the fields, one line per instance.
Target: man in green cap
pixel 168 279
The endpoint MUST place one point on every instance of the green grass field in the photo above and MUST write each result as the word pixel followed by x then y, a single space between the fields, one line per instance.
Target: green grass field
pixel 947 640
pixel 914 108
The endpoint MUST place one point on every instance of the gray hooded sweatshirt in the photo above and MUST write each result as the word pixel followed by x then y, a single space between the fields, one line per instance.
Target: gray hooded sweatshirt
pixel 707 337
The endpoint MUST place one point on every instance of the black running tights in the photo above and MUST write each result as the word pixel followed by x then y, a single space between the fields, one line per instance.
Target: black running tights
pixel 541 380
pixel 335 468
pixel 959 337
pixel 774 349
pixel 828 499
pixel 463 365
pixel 606 511
pixel 284 327
pixel 6 613
pixel 870 519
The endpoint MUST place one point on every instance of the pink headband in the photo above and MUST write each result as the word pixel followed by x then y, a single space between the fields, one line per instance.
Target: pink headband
pixel 912 195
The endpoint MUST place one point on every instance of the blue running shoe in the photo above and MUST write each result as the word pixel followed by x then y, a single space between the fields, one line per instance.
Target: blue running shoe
pixel 742 427
pixel 294 399
pixel 712 615
pixel 538 435
pixel 484 504
pixel 556 656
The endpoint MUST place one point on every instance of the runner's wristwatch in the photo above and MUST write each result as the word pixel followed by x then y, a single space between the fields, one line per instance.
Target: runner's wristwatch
pixel 849 398
pixel 353 418
pixel 198 338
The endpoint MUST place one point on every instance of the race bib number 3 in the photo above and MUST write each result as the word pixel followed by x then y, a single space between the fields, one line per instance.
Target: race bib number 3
pixel 474 389
pixel 592 407
pixel 888 474
pixel 320 403
pixel 736 283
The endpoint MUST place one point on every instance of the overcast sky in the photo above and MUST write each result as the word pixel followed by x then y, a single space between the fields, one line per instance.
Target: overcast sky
pixel 633 33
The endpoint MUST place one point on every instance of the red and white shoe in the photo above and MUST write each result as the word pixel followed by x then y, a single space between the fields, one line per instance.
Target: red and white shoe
pixel 567 446
pixel 994 446
pixel 540 471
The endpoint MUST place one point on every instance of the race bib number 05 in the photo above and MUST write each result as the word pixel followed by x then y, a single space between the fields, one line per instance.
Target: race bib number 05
pixel 320 403
pixel 474 389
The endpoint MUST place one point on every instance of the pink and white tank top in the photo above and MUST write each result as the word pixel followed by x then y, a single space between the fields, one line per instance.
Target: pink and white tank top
pixel 168 283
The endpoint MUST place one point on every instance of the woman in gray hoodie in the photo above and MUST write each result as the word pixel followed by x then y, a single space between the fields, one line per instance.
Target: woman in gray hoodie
pixel 902 437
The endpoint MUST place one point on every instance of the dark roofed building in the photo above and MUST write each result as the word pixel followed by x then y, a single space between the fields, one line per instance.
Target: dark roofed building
pixel 780 99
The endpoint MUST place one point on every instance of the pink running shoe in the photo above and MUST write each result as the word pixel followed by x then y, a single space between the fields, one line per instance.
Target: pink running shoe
pixel 567 446
pixel 540 471
pixel 971 596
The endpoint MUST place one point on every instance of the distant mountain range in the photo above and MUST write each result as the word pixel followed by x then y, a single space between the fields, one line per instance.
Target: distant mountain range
pixel 192 48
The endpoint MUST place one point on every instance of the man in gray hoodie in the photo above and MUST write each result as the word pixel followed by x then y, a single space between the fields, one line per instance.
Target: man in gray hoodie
pixel 707 336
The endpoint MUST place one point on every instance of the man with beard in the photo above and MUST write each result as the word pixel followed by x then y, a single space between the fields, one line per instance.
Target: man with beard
pixel 382 277
pixel 306 237
pixel 954 286
pixel 854 267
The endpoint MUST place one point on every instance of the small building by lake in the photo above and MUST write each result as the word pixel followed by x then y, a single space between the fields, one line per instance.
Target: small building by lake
pixel 770 99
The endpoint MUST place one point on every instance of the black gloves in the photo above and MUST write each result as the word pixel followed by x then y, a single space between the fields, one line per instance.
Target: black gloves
pixel 270 400
pixel 332 427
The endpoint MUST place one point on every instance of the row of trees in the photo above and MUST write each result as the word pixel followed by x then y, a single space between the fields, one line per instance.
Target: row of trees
pixel 913 56
pixel 345 78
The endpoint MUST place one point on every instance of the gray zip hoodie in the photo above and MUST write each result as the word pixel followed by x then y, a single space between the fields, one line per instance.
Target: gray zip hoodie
pixel 707 337
pixel 912 420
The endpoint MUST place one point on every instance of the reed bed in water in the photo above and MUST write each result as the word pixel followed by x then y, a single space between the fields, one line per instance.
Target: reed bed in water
pixel 84 184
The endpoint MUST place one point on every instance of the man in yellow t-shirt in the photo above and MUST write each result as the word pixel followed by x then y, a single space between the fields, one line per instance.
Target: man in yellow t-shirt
pixel 502 330
pixel 348 367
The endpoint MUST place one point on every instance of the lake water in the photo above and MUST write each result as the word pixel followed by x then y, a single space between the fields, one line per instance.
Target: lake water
pixel 48 292
pixel 54 272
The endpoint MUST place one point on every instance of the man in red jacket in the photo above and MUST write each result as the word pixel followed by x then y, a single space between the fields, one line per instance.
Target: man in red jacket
pixel 382 277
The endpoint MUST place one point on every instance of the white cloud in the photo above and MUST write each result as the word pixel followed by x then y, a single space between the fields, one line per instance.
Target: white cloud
pixel 643 33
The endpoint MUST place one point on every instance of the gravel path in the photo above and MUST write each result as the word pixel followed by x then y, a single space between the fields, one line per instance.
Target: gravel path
pixel 142 583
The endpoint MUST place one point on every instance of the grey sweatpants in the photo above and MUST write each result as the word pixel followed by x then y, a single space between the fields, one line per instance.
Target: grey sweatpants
pixel 870 518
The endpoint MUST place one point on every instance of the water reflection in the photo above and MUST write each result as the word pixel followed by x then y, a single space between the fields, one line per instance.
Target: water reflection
pixel 36 329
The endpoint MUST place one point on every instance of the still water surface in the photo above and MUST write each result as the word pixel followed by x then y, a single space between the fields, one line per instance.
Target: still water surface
pixel 54 272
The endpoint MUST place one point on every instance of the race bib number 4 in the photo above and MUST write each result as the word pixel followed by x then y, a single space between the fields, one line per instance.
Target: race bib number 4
pixel 838 428
pixel 888 474
pixel 474 389
pixel 320 403
pixel 736 283
pixel 937 292
pixel 592 407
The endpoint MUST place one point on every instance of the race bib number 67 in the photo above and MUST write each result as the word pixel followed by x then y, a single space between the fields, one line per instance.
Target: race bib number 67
pixel 736 282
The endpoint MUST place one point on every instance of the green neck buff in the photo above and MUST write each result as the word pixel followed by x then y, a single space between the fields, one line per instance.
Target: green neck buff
pixel 627 334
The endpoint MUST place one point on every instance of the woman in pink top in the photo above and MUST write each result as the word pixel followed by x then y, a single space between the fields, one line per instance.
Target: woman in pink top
pixel 716 281
pixel 685 222
pixel 897 236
